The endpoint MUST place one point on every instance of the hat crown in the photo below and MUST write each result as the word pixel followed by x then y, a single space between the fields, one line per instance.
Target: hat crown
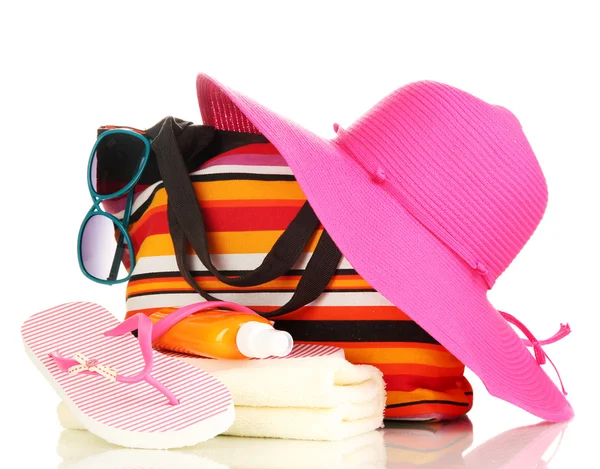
pixel 459 165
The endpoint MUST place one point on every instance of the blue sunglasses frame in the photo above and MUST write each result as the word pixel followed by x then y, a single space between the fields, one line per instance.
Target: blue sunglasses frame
pixel 96 210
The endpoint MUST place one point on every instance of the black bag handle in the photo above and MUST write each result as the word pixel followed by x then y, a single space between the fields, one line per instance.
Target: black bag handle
pixel 282 256
pixel 183 205
pixel 318 273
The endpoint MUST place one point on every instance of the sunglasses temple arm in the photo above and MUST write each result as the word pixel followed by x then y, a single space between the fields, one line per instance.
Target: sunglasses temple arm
pixel 114 271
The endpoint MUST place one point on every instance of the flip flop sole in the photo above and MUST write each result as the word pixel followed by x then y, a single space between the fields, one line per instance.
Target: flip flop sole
pixel 132 415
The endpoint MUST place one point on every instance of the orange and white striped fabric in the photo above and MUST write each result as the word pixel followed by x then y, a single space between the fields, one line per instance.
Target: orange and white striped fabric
pixel 248 197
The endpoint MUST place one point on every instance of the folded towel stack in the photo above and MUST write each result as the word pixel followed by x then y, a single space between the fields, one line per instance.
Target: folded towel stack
pixel 312 394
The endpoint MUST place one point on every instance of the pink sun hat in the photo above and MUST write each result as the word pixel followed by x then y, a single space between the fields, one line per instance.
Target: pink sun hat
pixel 430 195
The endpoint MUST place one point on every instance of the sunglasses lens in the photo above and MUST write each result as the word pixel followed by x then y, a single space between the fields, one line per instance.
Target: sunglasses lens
pixel 104 250
pixel 116 162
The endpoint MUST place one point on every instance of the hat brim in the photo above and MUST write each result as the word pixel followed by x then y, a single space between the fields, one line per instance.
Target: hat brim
pixel 396 254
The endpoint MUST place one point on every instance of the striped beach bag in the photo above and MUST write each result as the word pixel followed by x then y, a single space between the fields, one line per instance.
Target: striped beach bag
pixel 249 236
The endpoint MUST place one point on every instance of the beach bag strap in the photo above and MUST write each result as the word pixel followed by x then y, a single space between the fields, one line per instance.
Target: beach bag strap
pixel 318 273
pixel 182 199
pixel 186 223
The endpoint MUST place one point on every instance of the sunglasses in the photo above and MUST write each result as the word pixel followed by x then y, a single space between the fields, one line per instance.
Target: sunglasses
pixel 116 163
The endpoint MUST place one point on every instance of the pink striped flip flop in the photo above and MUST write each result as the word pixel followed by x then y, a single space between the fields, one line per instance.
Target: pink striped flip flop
pixel 117 386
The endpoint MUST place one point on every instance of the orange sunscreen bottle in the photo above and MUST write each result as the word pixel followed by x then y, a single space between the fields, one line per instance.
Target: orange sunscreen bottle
pixel 223 334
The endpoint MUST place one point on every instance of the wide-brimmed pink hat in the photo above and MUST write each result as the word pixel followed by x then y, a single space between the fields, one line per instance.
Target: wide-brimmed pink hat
pixel 430 195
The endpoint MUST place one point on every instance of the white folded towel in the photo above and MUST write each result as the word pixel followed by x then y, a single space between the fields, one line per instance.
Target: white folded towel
pixel 313 394
pixel 305 423
pixel 310 376
pixel 367 451
pixel 301 423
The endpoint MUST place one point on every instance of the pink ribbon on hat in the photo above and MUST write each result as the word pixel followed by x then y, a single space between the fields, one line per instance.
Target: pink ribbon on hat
pixel 531 341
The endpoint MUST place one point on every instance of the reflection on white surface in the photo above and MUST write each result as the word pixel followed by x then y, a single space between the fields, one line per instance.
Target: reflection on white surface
pixel 427 445
pixel 81 449
pixel 139 459
pixel 519 448
pixel 447 445
pixel 401 445
pixel 362 451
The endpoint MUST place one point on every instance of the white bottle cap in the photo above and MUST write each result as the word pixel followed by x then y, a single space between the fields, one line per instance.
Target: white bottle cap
pixel 259 340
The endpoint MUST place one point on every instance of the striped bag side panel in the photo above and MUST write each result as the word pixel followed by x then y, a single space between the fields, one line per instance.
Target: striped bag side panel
pixel 248 197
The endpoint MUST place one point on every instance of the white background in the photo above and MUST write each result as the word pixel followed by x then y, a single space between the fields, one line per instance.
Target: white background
pixel 68 67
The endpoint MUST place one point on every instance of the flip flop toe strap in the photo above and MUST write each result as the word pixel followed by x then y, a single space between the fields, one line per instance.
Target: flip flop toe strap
pixel 79 363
